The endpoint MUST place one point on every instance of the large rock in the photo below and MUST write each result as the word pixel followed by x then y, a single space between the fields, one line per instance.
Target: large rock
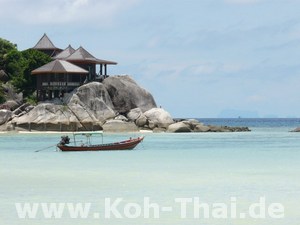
pixel 93 99
pixel 11 104
pixel 296 129
pixel 196 126
pixel 91 105
pixel 5 115
pixel 47 116
pixel 119 126
pixel 179 127
pixel 136 115
pixel 11 93
pixel 121 117
pixel 126 94
pixel 3 76
pixel 158 117
pixel 141 121
pixel 201 128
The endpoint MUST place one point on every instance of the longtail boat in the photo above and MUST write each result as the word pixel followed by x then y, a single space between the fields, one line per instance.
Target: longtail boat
pixel 129 144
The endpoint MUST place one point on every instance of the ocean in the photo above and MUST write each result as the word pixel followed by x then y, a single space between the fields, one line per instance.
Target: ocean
pixel 192 178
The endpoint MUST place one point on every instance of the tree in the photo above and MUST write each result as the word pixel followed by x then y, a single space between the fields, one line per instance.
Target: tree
pixel 14 64
pixel 5 47
pixel 2 94
pixel 33 59
pixel 18 65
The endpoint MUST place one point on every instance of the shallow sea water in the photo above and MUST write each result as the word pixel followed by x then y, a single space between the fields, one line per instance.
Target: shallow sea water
pixel 210 166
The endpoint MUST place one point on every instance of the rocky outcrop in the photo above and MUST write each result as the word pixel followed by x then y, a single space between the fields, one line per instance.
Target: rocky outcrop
pixel 119 126
pixel 136 115
pixel 11 104
pixel 116 105
pixel 48 117
pixel 122 118
pixel 12 99
pixel 90 106
pixel 158 117
pixel 91 102
pixel 126 94
pixel 296 129
pixel 179 127
pixel 201 128
pixel 195 126
pixel 5 115
pixel 227 129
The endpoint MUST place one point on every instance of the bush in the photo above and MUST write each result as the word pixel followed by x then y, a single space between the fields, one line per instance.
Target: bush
pixel 2 95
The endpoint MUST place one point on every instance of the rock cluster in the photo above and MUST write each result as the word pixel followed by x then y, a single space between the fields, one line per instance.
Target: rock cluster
pixel 118 104
pixel 193 125
pixel 296 129
pixel 92 106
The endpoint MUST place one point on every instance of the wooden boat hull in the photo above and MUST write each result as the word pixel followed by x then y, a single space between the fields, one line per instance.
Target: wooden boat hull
pixel 122 145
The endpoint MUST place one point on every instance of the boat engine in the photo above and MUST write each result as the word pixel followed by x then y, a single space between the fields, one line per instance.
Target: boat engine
pixel 64 140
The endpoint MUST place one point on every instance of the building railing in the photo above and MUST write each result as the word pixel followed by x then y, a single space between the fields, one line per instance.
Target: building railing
pixel 61 84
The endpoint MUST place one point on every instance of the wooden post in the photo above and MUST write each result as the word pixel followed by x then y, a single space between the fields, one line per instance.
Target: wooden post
pixel 105 69
pixel 101 68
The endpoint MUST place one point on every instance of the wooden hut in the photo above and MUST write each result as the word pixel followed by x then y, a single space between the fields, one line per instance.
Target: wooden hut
pixel 70 69
pixel 58 77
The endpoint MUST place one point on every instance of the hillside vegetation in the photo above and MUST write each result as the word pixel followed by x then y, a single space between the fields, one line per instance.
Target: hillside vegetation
pixel 18 66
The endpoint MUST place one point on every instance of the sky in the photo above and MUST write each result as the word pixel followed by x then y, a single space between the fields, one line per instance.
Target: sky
pixel 198 58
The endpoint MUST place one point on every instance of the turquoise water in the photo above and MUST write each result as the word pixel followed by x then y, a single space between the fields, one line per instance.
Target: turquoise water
pixel 211 166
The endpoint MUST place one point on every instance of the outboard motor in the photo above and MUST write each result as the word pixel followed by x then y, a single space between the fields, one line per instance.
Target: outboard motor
pixel 64 140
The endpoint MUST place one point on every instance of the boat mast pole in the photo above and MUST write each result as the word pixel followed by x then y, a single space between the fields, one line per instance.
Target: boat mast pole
pixel 74 139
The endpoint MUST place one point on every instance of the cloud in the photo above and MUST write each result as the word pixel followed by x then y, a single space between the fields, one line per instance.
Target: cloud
pixel 63 11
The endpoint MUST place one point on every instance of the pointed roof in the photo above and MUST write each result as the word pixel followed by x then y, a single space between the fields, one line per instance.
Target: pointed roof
pixel 45 43
pixel 82 55
pixel 65 53
pixel 59 66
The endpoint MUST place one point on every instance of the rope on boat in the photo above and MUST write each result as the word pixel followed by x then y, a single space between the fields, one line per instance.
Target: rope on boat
pixel 42 149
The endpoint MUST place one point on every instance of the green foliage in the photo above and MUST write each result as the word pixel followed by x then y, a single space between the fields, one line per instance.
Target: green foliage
pixel 2 94
pixel 14 64
pixel 32 99
pixel 5 48
pixel 18 65
pixel 32 60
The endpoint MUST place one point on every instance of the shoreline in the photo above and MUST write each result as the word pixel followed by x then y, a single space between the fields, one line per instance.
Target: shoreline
pixel 64 132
